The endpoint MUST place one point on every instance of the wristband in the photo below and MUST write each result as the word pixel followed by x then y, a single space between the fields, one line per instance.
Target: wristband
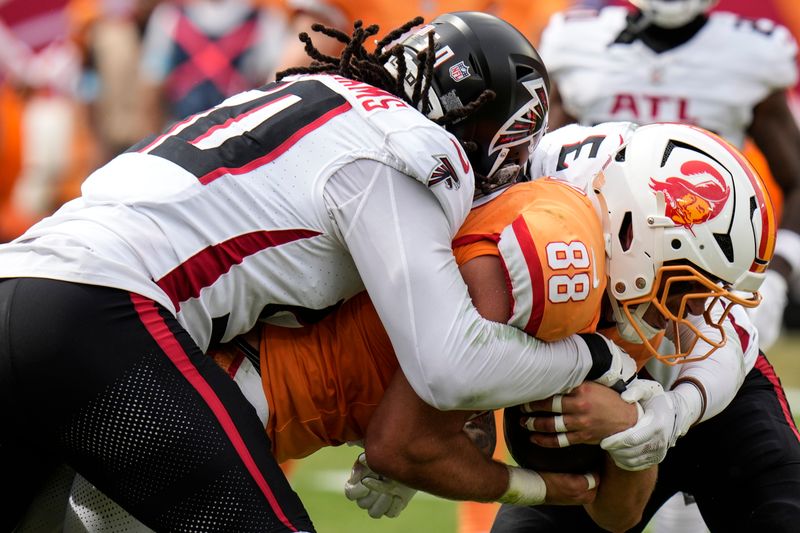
pixel 525 487
pixel 601 355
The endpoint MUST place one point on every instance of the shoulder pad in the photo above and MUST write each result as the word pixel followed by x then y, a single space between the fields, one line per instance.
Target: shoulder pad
pixel 576 154
pixel 761 47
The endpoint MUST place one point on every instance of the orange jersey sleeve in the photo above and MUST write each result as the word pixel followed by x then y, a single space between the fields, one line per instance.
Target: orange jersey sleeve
pixel 324 382
pixel 557 248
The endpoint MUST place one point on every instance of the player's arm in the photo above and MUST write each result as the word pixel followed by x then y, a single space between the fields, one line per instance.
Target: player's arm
pixel 399 238
pixel 482 431
pixel 621 496
pixel 775 132
pixel 439 459
pixel 428 449
pixel 719 377
pixel 590 413
pixel 702 390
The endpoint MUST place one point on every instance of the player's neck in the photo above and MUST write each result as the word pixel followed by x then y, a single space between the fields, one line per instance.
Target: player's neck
pixel 657 38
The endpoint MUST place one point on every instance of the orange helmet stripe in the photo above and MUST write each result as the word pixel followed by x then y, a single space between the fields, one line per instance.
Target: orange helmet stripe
pixel 766 245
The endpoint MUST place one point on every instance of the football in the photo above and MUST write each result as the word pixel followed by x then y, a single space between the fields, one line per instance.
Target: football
pixel 575 459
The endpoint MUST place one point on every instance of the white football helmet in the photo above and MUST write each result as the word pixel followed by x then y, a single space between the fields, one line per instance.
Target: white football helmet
pixel 687 214
pixel 672 13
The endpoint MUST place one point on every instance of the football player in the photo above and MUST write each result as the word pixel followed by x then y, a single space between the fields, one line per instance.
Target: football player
pixel 672 61
pixel 530 257
pixel 279 203
pixel 730 407
pixel 323 384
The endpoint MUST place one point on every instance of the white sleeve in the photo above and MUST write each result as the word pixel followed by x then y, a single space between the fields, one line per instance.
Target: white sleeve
pixel 400 242
pixel 723 372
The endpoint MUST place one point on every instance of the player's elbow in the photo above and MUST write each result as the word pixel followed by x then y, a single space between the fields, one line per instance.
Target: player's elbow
pixel 392 457
pixel 619 522
pixel 619 517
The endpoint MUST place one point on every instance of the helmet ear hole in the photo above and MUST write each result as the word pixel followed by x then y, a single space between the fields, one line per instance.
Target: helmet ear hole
pixel 725 244
pixel 625 234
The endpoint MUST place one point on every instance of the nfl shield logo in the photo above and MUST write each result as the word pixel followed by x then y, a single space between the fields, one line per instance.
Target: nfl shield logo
pixel 459 71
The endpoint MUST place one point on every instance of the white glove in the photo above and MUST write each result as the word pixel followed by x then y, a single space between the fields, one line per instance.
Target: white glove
pixel 622 367
pixel 641 390
pixel 667 416
pixel 768 316
pixel 379 495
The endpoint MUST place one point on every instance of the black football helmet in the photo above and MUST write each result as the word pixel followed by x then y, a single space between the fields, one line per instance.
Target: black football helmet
pixel 474 52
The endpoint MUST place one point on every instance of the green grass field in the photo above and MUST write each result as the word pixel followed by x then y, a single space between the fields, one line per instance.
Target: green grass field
pixel 319 479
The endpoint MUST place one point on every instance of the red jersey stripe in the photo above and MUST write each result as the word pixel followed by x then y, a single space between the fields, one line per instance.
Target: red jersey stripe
pixel 528 247
pixel 161 333
pixel 766 369
pixel 205 267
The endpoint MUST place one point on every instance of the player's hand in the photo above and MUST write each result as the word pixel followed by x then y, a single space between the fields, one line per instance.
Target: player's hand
pixel 658 428
pixel 378 495
pixel 570 489
pixel 586 415
pixel 768 316
pixel 611 365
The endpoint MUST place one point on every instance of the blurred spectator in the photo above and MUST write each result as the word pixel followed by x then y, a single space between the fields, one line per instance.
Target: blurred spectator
pixel 198 52
pixel 527 16
pixel 111 35
pixel 45 139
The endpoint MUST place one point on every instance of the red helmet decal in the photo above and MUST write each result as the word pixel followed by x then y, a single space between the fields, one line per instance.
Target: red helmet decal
pixel 688 202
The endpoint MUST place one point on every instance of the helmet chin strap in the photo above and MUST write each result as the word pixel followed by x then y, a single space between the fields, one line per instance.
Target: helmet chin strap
pixel 625 327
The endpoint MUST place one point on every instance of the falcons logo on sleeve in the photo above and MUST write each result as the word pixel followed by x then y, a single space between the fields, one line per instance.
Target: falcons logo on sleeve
pixel 444 172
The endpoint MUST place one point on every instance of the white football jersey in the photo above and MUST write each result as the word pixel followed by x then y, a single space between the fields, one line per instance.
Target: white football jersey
pixel 714 80
pixel 281 203
pixel 576 154
pixel 222 218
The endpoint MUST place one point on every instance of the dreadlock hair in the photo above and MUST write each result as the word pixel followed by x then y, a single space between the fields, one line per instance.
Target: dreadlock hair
pixel 358 64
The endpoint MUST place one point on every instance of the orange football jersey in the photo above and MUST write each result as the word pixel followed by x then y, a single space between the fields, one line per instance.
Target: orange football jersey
pixel 323 382
pixel 556 262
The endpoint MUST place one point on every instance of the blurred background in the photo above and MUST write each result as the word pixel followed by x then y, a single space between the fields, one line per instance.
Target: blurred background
pixel 82 80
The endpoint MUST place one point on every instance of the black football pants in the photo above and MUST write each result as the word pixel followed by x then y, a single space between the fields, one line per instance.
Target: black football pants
pixel 742 466
pixel 110 383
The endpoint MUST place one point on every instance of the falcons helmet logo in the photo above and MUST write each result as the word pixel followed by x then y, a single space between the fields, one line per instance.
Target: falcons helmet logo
pixel 526 122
